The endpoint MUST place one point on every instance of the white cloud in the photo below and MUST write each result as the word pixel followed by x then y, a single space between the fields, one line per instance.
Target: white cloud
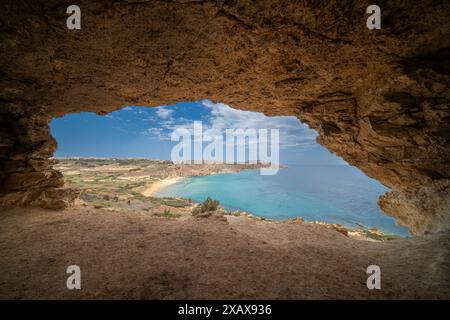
pixel 156 133
pixel 221 117
pixel 164 112
pixel 292 131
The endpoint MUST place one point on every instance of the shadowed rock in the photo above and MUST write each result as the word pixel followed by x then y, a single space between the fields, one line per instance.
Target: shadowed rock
pixel 378 98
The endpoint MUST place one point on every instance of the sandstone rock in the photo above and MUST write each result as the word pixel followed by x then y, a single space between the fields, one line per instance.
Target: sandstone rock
pixel 409 206
pixel 378 98
pixel 56 198
pixel 48 198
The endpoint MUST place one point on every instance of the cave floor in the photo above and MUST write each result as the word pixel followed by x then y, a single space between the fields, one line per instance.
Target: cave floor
pixel 130 255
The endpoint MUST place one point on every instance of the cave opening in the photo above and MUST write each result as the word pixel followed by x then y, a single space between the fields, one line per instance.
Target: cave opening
pixel 124 159
pixel 378 98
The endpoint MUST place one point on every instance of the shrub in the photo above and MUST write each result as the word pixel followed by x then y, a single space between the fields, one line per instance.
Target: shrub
pixel 167 214
pixel 196 211
pixel 177 203
pixel 210 205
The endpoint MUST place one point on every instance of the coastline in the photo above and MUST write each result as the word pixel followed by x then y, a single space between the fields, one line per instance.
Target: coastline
pixel 211 170
pixel 158 185
pixel 163 183
pixel 358 231
pixel 138 183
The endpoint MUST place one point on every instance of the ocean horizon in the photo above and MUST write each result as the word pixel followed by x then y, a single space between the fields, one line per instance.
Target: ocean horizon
pixel 330 193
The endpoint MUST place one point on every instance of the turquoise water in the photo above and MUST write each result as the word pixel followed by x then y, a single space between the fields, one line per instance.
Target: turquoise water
pixel 334 194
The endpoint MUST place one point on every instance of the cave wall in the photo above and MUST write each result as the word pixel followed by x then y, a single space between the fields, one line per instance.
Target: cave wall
pixel 378 98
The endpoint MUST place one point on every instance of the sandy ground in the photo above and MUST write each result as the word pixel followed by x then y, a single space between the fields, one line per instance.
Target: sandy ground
pixel 124 254
pixel 156 186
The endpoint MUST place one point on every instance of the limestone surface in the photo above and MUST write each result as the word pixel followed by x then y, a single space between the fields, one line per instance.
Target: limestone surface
pixel 378 98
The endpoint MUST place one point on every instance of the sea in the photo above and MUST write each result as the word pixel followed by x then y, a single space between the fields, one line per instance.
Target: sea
pixel 330 193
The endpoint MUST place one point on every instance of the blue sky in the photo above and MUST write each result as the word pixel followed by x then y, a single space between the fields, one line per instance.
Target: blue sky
pixel 136 131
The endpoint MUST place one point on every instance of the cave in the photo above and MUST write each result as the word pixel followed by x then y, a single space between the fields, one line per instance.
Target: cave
pixel 378 98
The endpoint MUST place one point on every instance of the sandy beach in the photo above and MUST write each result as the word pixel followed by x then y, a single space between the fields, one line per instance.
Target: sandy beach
pixel 154 187
pixel 129 246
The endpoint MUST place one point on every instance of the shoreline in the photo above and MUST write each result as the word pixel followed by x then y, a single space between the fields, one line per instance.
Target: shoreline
pixel 360 231
pixel 163 183
pixel 110 183
pixel 355 231
pixel 158 185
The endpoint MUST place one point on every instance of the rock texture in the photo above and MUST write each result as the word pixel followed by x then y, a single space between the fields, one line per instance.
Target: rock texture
pixel 126 255
pixel 378 98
